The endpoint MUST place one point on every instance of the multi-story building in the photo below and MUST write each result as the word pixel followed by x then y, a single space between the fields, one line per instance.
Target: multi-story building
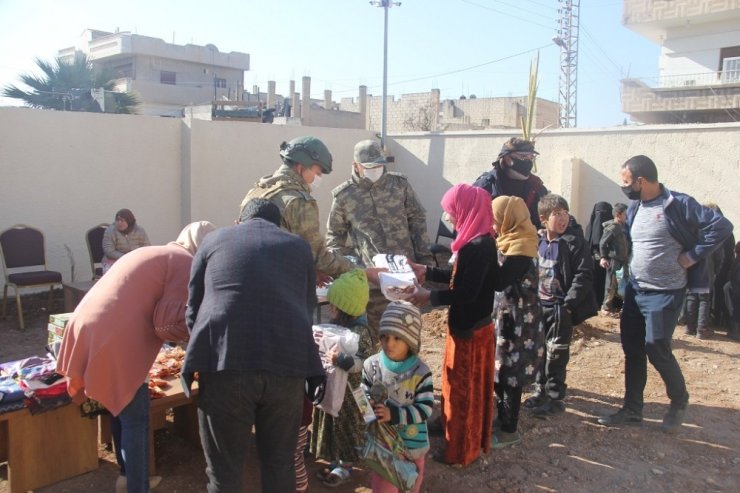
pixel 699 66
pixel 165 77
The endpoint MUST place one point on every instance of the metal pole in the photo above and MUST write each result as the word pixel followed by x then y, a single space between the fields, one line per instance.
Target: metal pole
pixel 384 115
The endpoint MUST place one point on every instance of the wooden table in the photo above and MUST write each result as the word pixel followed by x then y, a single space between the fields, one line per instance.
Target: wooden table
pixel 74 292
pixel 48 447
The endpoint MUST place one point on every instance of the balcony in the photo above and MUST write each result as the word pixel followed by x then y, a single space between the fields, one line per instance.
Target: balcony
pixel 653 19
pixel 708 97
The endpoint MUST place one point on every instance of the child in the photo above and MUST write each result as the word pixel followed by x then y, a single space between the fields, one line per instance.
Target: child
pixel 336 439
pixel 469 367
pixel 408 382
pixel 520 338
pixel 613 253
pixel 566 296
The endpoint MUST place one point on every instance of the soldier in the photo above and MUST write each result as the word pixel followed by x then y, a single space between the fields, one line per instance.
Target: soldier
pixel 305 160
pixel 512 175
pixel 376 211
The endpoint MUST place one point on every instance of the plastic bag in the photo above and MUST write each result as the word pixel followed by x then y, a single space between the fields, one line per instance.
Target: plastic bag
pixel 399 283
pixel 621 282
pixel 327 336
pixel 387 455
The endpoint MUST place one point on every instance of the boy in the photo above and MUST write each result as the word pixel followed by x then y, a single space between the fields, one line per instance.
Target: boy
pixel 614 251
pixel 399 385
pixel 566 296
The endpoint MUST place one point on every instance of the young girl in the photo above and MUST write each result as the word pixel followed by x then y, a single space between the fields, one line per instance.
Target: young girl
pixel 520 338
pixel 337 439
pixel 468 369
pixel 406 380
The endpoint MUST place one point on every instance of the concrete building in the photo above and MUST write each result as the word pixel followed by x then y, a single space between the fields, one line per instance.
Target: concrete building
pixel 699 65
pixel 165 77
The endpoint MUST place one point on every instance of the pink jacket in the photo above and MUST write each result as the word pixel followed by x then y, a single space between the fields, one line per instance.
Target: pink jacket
pixel 114 335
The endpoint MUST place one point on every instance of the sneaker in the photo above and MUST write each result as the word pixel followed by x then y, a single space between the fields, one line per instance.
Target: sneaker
pixel 704 333
pixel 624 416
pixel 674 418
pixel 535 400
pixel 501 439
pixel 550 407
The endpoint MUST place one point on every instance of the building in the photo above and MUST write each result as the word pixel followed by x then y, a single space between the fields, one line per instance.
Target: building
pixel 165 77
pixel 699 65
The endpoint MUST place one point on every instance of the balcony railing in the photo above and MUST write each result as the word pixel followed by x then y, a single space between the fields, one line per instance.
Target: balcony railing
pixel 693 80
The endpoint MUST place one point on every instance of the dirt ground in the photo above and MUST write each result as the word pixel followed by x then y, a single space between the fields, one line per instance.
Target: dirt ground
pixel 570 452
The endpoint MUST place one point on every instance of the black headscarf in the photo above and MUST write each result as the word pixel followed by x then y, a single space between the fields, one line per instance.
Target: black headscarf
pixel 602 213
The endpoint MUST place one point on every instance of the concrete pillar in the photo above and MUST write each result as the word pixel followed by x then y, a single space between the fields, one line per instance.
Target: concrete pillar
pixel 363 105
pixel 270 94
pixel 296 105
pixel 291 90
pixel 306 101
pixel 327 99
pixel 435 110
pixel 256 92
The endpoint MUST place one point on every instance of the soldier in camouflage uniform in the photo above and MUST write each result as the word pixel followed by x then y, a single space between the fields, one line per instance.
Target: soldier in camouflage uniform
pixel 376 211
pixel 305 160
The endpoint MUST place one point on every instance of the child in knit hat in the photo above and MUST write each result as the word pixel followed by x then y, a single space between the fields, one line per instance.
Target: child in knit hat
pixel 335 439
pixel 399 385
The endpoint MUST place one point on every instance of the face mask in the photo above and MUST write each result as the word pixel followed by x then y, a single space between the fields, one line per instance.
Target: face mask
pixel 522 166
pixel 630 193
pixel 316 181
pixel 373 174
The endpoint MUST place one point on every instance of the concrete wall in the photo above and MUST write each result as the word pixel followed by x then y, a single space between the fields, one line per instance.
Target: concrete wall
pixel 65 172
pixel 582 165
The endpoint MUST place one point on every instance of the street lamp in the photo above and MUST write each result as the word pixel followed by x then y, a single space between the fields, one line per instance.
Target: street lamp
pixel 385 4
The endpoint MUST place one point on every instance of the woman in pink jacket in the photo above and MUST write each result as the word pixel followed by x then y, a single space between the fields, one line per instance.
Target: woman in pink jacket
pixel 115 333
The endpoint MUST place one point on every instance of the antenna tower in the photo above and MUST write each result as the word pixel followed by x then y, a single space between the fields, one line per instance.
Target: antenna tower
pixel 567 40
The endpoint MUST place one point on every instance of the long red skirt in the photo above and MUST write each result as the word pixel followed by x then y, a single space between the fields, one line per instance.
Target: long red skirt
pixel 467 395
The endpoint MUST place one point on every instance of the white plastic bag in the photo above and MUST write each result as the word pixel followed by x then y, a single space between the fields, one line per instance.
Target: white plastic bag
pixel 328 336
pixel 399 283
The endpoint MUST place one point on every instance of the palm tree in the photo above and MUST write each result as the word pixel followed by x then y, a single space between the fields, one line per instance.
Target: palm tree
pixel 67 86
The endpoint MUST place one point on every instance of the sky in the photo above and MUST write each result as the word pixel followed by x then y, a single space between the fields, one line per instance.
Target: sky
pixel 461 47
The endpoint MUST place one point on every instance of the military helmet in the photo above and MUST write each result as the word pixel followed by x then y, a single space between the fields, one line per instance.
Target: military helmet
pixel 306 151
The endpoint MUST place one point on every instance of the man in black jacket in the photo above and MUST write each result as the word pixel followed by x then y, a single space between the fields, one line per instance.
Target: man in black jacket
pixel 511 174
pixel 252 295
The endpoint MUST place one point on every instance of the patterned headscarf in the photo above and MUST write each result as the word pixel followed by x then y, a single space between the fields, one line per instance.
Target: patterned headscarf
pixel 516 233
pixel 192 235
pixel 471 208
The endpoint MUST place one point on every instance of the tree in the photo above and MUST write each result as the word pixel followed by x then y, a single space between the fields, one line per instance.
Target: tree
pixel 68 86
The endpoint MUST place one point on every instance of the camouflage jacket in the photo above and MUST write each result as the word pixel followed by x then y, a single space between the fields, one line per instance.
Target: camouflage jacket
pixel 300 215
pixel 383 217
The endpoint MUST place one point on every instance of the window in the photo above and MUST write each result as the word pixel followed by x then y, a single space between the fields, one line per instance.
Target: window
pixel 221 83
pixel 729 64
pixel 166 77
pixel 124 70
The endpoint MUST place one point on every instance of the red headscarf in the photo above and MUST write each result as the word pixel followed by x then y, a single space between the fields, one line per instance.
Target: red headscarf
pixel 471 208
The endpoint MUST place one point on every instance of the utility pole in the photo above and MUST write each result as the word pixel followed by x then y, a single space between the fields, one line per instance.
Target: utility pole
pixel 567 40
pixel 385 4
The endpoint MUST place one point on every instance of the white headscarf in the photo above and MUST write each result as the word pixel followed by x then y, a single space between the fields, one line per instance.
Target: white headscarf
pixel 192 235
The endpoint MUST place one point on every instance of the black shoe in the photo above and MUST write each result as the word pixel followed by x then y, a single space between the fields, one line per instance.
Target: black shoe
pixel 534 401
pixel 624 416
pixel 550 407
pixel 674 418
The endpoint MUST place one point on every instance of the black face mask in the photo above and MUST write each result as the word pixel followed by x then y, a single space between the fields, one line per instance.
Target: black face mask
pixel 522 166
pixel 630 193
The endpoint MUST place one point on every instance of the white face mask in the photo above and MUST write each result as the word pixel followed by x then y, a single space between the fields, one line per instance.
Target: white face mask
pixel 316 181
pixel 373 174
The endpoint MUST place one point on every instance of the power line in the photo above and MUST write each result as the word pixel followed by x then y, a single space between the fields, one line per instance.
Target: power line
pixel 506 13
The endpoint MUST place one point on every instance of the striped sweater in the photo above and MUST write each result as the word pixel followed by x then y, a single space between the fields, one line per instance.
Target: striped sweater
pixel 410 396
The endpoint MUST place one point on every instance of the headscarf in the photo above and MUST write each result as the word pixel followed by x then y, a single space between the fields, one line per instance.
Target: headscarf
pixel 471 208
pixel 516 233
pixel 127 216
pixel 602 213
pixel 192 235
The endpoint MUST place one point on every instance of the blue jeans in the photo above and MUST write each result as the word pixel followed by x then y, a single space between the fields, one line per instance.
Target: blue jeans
pixel 229 404
pixel 130 431
pixel 646 329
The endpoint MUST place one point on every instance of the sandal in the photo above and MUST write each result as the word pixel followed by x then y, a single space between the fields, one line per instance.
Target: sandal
pixel 324 473
pixel 338 475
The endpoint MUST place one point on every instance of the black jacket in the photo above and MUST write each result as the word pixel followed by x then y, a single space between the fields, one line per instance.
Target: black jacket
pixel 577 266
pixel 530 190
